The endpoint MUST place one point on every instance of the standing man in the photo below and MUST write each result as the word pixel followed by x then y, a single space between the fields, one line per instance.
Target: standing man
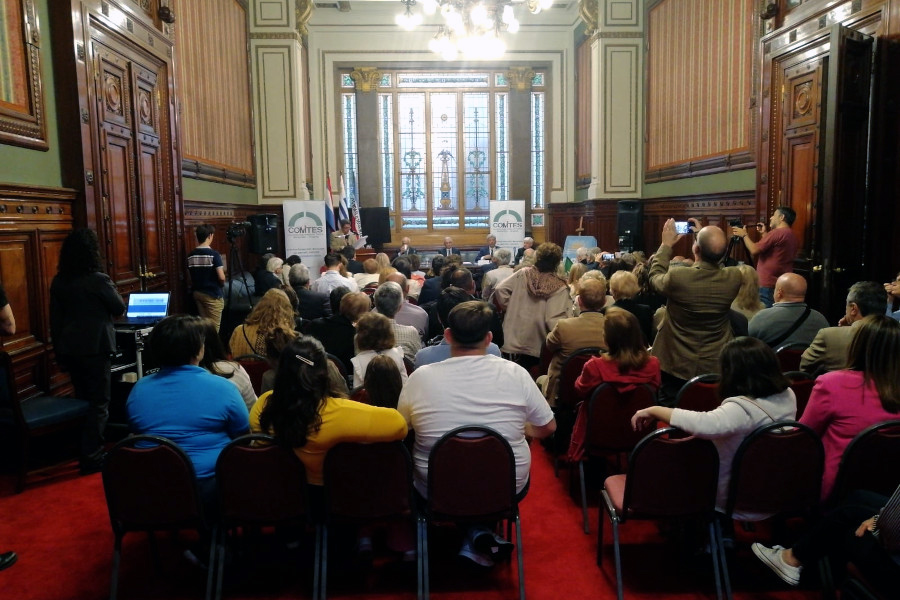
pixel 448 247
pixel 472 387
pixel 207 274
pixel 343 237
pixel 696 327
pixel 774 253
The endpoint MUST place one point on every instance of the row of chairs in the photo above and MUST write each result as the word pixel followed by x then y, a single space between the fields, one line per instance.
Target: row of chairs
pixel 777 470
pixel 150 486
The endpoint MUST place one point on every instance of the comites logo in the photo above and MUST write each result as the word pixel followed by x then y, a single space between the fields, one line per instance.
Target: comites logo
pixel 306 223
pixel 509 219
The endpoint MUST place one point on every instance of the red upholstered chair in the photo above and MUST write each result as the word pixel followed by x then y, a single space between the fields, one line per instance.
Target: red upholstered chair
pixel 471 479
pixel 150 486
pixel 700 394
pixel 608 430
pixel 365 483
pixel 870 462
pixel 255 365
pixel 669 477
pixel 777 470
pixel 571 368
pixel 802 384
pixel 789 357
pixel 261 484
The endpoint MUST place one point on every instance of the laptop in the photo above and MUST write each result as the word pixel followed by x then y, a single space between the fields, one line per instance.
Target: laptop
pixel 145 308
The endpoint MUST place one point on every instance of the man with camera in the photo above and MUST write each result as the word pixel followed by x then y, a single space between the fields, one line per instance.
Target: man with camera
pixel 697 324
pixel 774 253
pixel 207 273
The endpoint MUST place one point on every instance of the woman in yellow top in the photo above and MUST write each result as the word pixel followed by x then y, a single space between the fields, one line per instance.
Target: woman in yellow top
pixel 301 414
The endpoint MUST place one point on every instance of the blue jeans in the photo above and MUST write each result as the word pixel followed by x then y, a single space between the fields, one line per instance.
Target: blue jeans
pixel 767 296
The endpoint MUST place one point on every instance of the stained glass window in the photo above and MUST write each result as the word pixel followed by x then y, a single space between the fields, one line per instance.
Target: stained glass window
pixel 537 150
pixel 501 103
pixel 351 152
pixel 386 146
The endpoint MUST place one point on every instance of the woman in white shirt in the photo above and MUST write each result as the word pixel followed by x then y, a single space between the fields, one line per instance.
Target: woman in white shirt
pixel 374 336
pixel 216 362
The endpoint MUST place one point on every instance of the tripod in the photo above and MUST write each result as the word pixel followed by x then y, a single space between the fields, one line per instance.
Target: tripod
pixel 728 261
pixel 234 258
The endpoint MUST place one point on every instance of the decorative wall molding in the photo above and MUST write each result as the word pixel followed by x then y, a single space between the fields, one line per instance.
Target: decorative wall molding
pixel 520 78
pixel 284 35
pixel 366 79
pixel 618 13
pixel 22 119
pixel 271 13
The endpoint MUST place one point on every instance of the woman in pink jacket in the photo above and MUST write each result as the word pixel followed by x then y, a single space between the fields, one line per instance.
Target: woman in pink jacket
pixel 845 402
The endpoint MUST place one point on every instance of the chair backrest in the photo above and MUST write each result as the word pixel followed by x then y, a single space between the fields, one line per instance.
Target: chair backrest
pixel 700 393
pixel 9 407
pixel 368 481
pixel 870 462
pixel 149 484
pixel 369 288
pixel 410 365
pixel 777 469
pixel 609 413
pixel 471 475
pixel 571 368
pixel 543 365
pixel 789 356
pixel 359 394
pixel 260 483
pixel 255 365
pixel 341 367
pixel 802 384
pixel 672 475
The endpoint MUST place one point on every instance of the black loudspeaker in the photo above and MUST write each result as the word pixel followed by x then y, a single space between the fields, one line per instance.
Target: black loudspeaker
pixel 629 225
pixel 263 233
pixel 376 225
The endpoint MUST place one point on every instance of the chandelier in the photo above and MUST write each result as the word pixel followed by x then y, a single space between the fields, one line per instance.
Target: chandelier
pixel 470 28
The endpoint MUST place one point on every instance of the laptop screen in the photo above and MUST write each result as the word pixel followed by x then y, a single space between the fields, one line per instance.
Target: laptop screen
pixel 148 305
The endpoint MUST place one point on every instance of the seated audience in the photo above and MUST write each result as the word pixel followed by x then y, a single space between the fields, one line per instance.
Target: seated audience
pixel 623 285
pixel 313 305
pixel 501 271
pixel 865 530
pixel 276 341
pixel 626 364
pixel 575 272
pixel 369 274
pixel 755 393
pixel 790 320
pixel 574 333
pixel 845 402
pixel 388 301
pixel 593 275
pixel 431 289
pixel 403 265
pixel 375 336
pixel 353 265
pixel 527 243
pixel 475 388
pixel 534 299
pixel 336 333
pixel 186 403
pixel 440 350
pixel 302 414
pixel 215 360
pixel 383 382
pixel 273 311
pixel 383 261
pixel 747 301
pixel 527 259
pixel 295 304
pixel 409 313
pixel 332 277
pixel 271 277
pixel 828 350
pixel 415 263
pixel 646 294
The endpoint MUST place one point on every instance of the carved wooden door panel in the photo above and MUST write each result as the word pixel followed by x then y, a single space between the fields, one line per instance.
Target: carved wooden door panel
pixel 130 90
pixel 844 198
pixel 801 117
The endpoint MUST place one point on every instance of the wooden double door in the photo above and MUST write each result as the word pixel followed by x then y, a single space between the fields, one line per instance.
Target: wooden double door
pixel 134 203
pixel 819 158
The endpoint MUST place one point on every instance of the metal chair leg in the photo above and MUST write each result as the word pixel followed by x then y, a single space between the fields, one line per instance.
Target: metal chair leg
pixel 217 561
pixel 521 557
pixel 620 593
pixel 420 590
pixel 584 508
pixel 425 574
pixel 714 552
pixel 323 578
pixel 114 578
pixel 722 560
pixel 317 563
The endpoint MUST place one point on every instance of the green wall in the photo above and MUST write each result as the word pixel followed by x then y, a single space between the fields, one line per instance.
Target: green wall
pixel 735 181
pixel 22 165
pixel 207 191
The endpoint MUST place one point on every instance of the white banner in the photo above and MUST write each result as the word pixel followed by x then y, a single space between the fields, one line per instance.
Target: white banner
pixel 305 234
pixel 508 223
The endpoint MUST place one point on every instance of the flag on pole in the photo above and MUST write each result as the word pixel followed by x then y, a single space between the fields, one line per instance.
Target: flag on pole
pixel 329 206
pixel 343 208
pixel 355 220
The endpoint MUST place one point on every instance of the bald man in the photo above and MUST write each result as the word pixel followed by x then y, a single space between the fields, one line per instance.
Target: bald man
pixel 409 314
pixel 790 320
pixel 696 327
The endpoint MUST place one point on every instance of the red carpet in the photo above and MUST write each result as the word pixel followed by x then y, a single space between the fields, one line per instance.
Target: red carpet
pixel 60 529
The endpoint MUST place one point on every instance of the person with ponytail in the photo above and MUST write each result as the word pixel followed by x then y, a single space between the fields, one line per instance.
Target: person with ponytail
pixel 301 413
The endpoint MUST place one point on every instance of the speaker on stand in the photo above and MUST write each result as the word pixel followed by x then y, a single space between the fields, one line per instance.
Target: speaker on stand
pixel 263 233
pixel 376 225
pixel 629 225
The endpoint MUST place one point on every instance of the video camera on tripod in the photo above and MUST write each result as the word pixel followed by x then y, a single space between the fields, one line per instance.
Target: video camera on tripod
pixel 236 230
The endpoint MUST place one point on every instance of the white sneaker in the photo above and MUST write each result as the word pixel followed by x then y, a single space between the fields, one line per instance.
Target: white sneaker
pixel 772 558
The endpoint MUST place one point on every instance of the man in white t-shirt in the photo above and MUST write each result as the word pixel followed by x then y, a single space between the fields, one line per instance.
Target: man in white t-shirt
pixel 474 388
